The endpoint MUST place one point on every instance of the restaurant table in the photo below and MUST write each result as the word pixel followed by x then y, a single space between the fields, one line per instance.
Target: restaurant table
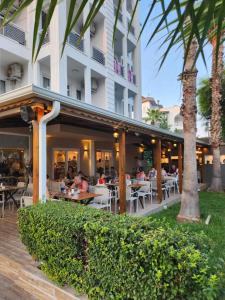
pixel 9 192
pixel 83 197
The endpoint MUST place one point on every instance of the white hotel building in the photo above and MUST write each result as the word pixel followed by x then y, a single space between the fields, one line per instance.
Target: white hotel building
pixel 93 71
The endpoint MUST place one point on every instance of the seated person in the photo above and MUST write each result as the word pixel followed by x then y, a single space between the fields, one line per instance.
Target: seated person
pixel 113 173
pixel 141 174
pixel 128 181
pixel 174 170
pixel 102 179
pixel 81 183
pixel 163 172
pixel 152 173
pixel 83 186
pixel 70 173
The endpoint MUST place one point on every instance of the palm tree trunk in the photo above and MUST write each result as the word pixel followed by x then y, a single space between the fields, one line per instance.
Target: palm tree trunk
pixel 216 128
pixel 189 210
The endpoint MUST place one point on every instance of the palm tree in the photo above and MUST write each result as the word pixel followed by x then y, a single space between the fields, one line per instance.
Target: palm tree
pixel 153 116
pixel 216 128
pixel 205 102
pixel 189 210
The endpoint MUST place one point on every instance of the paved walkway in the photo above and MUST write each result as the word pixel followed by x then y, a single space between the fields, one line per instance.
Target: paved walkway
pixel 156 207
pixel 20 279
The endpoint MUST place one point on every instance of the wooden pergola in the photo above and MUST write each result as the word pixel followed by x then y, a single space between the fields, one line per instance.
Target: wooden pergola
pixel 81 114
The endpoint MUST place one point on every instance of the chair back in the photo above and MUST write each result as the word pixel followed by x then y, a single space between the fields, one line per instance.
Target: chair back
pixel 105 194
pixel 54 186
pixel 21 184
pixel 29 190
pixel 146 187
pixel 154 184
pixel 128 192
pixel 26 201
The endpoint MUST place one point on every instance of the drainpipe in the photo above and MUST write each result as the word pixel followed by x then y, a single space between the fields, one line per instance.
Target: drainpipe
pixel 43 148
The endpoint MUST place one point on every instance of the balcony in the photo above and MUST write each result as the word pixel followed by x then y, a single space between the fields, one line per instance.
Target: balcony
pixel 131 76
pixel 13 32
pixel 75 41
pixel 98 55
pixel 118 67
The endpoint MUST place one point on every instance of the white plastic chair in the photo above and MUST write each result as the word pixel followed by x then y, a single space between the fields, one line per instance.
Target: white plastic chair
pixel 103 201
pixel 29 190
pixel 131 197
pixel 145 191
pixel 155 188
pixel 26 201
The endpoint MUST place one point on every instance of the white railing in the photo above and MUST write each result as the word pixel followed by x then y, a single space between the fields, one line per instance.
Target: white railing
pixel 98 55
pixel 74 40
pixel 13 32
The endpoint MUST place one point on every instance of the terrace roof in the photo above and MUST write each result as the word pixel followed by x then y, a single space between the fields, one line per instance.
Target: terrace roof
pixel 10 103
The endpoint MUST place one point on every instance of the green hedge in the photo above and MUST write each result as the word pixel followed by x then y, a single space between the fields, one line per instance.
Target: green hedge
pixel 115 257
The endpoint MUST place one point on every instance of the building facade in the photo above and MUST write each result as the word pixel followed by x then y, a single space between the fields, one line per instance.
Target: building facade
pixel 92 71
pixel 173 116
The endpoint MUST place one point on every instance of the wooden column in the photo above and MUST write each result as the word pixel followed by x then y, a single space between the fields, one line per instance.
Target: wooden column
pixel 159 169
pixel 122 171
pixel 39 113
pixel 180 166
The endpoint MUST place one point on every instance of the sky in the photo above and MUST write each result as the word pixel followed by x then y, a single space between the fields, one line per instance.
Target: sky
pixel 163 85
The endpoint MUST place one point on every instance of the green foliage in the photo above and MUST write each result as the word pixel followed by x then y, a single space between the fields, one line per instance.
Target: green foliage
pixel 210 204
pixel 156 117
pixel 205 101
pixel 116 257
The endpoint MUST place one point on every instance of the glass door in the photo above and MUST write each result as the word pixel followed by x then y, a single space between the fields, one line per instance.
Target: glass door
pixel 62 159
pixel 104 161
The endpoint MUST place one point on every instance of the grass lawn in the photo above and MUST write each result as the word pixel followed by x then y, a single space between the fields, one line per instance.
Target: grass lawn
pixel 210 203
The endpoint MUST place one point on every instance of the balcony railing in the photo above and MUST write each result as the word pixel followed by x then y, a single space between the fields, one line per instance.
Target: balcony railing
pixel 131 76
pixel 98 55
pixel 120 16
pixel 132 30
pixel 13 32
pixel 74 40
pixel 118 67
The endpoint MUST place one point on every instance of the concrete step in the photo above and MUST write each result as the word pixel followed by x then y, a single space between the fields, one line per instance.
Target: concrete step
pixel 36 284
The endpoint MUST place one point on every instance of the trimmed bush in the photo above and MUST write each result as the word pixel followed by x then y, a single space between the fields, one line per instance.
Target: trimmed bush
pixel 115 257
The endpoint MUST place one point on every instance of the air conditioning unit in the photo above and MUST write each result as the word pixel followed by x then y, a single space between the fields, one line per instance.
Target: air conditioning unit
pixel 93 29
pixel 94 85
pixel 15 72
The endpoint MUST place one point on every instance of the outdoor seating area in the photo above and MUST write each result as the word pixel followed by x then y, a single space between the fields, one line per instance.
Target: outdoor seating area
pixel 141 191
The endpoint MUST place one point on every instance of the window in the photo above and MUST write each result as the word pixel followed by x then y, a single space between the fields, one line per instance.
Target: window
pixel 104 161
pixel 43 18
pixel 2 86
pixel 46 83
pixel 78 95
pixel 68 90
